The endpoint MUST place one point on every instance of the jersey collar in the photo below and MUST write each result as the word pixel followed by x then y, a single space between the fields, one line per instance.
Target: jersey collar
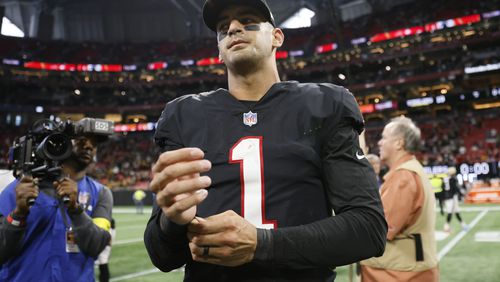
pixel 225 99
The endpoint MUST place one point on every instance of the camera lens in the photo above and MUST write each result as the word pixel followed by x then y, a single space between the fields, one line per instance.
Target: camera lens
pixel 55 147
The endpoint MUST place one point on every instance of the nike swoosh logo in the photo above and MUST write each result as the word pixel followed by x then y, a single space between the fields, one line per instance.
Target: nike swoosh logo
pixel 360 157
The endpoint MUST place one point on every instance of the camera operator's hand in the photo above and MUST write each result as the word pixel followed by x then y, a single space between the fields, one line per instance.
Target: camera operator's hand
pixel 26 189
pixel 178 184
pixel 68 188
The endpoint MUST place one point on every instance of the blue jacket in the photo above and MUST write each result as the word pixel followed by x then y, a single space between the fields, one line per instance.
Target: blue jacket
pixel 44 256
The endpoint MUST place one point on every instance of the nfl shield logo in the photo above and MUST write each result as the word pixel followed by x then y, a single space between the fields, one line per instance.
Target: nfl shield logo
pixel 250 118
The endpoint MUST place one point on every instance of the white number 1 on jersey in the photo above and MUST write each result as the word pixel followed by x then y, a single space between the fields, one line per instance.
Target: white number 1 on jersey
pixel 248 153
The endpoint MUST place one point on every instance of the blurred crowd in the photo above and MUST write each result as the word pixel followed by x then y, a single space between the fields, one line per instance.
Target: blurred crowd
pixel 452 138
pixel 125 160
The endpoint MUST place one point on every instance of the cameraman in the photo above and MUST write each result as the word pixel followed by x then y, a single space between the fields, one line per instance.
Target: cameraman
pixel 55 240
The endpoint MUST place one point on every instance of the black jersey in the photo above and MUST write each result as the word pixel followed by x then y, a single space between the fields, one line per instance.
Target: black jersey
pixel 283 162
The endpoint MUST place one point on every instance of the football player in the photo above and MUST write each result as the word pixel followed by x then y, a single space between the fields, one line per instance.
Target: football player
pixel 250 175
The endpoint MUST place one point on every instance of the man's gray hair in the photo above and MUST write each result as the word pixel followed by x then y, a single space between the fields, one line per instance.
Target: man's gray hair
pixel 404 127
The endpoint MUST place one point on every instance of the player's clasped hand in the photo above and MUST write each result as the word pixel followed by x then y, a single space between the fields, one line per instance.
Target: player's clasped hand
pixel 225 239
pixel 26 189
pixel 178 184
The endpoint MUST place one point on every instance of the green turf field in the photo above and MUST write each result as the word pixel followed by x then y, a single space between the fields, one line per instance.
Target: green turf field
pixel 463 259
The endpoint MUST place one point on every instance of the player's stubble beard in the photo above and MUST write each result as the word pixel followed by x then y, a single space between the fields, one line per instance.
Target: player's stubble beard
pixel 244 61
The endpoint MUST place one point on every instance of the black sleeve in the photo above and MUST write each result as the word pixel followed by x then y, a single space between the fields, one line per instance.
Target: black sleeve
pixel 11 238
pixel 92 239
pixel 167 131
pixel 358 230
pixel 166 242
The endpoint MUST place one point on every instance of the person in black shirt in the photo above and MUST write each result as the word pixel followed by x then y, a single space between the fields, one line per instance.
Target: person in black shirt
pixel 249 176
pixel 452 196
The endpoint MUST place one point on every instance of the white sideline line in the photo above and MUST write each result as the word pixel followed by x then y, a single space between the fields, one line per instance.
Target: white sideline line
pixel 126 210
pixel 134 275
pixel 460 235
pixel 476 209
pixel 142 273
pixel 124 221
pixel 135 226
pixel 129 241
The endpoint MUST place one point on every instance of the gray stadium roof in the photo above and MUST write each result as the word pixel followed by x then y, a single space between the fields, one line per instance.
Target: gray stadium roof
pixel 154 20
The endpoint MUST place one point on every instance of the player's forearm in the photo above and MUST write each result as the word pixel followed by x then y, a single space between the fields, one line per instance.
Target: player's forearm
pixel 167 246
pixel 11 238
pixel 349 237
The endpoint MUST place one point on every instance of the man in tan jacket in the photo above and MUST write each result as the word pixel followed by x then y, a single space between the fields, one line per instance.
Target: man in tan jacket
pixel 410 253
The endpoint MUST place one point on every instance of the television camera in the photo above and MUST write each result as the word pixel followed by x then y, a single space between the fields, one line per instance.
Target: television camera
pixel 40 152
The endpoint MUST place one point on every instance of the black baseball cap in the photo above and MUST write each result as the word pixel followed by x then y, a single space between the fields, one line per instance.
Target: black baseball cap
pixel 212 9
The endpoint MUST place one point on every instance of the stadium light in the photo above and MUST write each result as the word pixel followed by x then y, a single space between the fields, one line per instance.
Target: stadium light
pixel 302 18
pixel 18 120
pixel 10 29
